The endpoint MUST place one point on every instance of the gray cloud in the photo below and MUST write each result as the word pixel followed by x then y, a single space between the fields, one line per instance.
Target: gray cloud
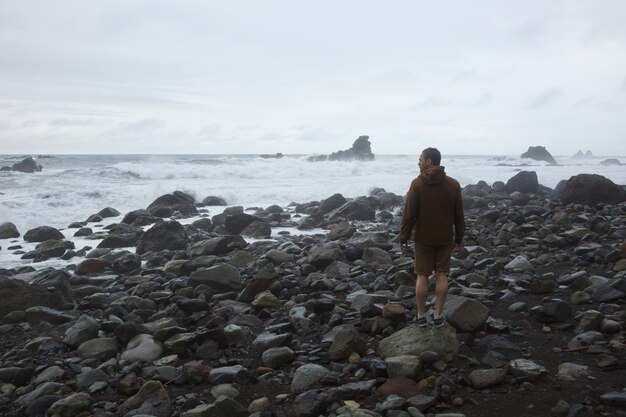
pixel 545 98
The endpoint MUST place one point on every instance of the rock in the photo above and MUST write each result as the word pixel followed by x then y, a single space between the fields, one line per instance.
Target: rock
pixel 346 339
pixel 219 278
pixel 377 257
pixel 342 230
pixel 266 299
pixel 8 231
pixel 27 165
pixel 394 312
pixel 485 378
pixel 43 233
pixel 168 204
pixel 572 372
pixel 143 347
pixel 150 389
pixel 499 344
pixel 214 201
pixel 555 311
pixel 610 162
pixel 17 295
pixel 324 254
pixel 85 328
pixel 217 246
pixel 585 339
pixel 277 356
pixel 615 399
pixel 331 203
pixel 47 388
pixel 41 313
pixel 590 189
pixel 92 266
pixel 523 182
pixel 235 223
pixel 361 151
pixel 16 376
pixel 465 314
pixel 402 387
pixel 278 257
pixel 71 405
pixel 413 340
pixel 353 210
pixel 258 229
pixel 405 366
pixel 259 405
pixel 519 264
pixel 153 407
pixel 222 407
pixel 226 374
pixel 226 390
pixel 89 376
pixel 307 376
pixel 40 406
pixel 164 235
pixel 539 153
pixel 99 348
pixel 590 320
pixel 526 368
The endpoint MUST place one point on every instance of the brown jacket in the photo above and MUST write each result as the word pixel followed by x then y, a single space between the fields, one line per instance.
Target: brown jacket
pixel 433 205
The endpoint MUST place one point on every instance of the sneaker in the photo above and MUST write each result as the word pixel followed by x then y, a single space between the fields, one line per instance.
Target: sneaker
pixel 421 321
pixel 439 321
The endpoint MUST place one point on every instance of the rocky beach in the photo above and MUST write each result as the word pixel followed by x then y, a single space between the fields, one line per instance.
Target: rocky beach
pixel 173 312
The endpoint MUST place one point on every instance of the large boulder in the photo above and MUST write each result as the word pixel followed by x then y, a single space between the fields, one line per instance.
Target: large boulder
pixel 326 253
pixel 523 182
pixel 28 165
pixel 592 188
pixel 353 210
pixel 219 278
pixel 169 235
pixel 465 314
pixel 8 231
pixel 331 203
pixel 217 246
pixel 17 294
pixel 168 204
pixel 539 153
pixel 414 340
pixel 43 233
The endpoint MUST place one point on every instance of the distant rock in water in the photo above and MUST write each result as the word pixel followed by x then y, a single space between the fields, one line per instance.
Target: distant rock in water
pixel 361 150
pixel 277 155
pixel 28 165
pixel 580 154
pixel 611 161
pixel 539 153
pixel 592 188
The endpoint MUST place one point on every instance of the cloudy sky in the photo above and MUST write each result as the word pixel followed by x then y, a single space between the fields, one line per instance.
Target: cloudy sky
pixel 148 76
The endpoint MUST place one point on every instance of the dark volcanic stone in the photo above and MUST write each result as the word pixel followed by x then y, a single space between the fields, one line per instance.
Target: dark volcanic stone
pixel 43 233
pixel 214 201
pixel 592 188
pixel 168 204
pixel 168 235
pixel 8 231
pixel 523 182
pixel 331 203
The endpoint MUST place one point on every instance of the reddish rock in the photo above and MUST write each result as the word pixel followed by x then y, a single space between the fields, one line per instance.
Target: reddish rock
pixel 394 312
pixel 403 387
pixel 129 385
pixel 91 266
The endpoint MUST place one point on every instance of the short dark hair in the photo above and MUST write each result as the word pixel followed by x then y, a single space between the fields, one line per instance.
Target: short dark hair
pixel 433 154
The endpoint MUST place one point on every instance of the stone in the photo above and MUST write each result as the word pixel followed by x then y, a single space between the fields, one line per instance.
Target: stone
pixel 306 376
pixel 519 264
pixel 413 340
pixel 266 299
pixel 89 376
pixel 523 182
pixel 150 389
pixel 278 257
pixel 168 204
pixel 585 339
pixel 164 235
pixel 353 210
pixel 85 328
pixel 217 246
pixel 143 347
pixel 18 295
pixel 465 314
pixel 38 314
pixel 324 254
pixel 226 390
pixel 591 189
pixel 402 387
pixel 485 378
pixel 214 201
pixel 572 371
pixel 614 398
pixel 394 312
pixel 278 356
pixel 71 405
pixel 8 231
pixel 346 339
pixel 539 153
pixel 500 345
pixel 47 388
pixel 98 348
pixel 226 374
pixel 555 311
pixel 377 257
pixel 405 366
pixel 526 368
pixel 222 407
pixel 591 320
pixel 259 405
pixel 42 234
pixel 219 278
pixel 153 407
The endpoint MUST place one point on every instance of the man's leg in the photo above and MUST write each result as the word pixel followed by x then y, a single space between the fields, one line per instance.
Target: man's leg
pixel 441 291
pixel 421 291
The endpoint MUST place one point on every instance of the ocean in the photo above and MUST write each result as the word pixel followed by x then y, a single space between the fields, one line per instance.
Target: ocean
pixel 72 187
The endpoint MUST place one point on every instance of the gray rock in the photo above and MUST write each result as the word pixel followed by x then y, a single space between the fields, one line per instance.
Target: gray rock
pixel 615 399
pixel 226 374
pixel 267 340
pixel 526 368
pixel 539 153
pixel 555 311
pixel 590 189
pixel 47 388
pixel 153 407
pixel 71 405
pixel 346 339
pixel 219 278
pixel 572 371
pixel 41 313
pixel 217 246
pixel 464 313
pixel 377 257
pixel 52 373
pixel 8 231
pixel 585 339
pixel 143 347
pixel 523 182
pixel 501 345
pixel 99 348
pixel 88 376
pixel 164 235
pixel 485 378
pixel 519 264
pixel 307 376
pixel 591 320
pixel 225 390
pixel 278 257
pixel 324 254
pixel 43 233
pixel 222 407
pixel 85 328
pixel 413 340
pixel 278 356
pixel 405 366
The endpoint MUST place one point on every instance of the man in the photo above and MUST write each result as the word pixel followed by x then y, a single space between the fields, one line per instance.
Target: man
pixel 433 206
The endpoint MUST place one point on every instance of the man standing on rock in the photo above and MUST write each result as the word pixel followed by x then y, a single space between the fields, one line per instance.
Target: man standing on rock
pixel 433 206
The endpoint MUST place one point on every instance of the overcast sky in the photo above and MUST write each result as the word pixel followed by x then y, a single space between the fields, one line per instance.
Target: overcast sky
pixel 263 76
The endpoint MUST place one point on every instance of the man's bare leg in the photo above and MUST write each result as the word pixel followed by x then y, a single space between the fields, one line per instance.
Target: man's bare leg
pixel 421 292
pixel 441 291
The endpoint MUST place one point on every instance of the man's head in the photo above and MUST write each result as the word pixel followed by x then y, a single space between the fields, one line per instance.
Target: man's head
pixel 429 157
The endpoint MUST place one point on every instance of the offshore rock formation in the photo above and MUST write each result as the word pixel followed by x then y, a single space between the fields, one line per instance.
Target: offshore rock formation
pixel 539 153
pixel 28 165
pixel 361 150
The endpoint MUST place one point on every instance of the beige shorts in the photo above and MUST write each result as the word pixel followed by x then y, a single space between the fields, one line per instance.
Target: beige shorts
pixel 429 258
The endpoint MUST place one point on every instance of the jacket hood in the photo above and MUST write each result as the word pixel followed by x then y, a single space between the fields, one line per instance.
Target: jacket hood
pixel 433 175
